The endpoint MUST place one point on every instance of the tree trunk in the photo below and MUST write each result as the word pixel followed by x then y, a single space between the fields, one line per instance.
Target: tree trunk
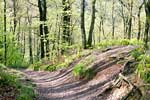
pixel 147 24
pixel 113 19
pixel 14 15
pixel 43 28
pixel 83 24
pixel 130 21
pixel 139 21
pixel 5 38
pixel 66 22
pixel 30 37
pixel 92 24
pixel 30 44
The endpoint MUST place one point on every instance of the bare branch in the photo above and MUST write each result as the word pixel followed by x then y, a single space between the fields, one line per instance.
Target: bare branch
pixel 31 3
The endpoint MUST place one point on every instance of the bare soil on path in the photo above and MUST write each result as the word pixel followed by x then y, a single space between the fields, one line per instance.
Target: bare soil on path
pixel 61 85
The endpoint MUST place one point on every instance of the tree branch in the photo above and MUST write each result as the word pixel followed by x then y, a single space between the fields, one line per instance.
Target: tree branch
pixel 32 3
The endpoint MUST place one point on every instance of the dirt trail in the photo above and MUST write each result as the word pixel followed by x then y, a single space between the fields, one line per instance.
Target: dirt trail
pixel 63 86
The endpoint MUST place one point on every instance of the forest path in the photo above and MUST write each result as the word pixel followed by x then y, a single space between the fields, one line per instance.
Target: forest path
pixel 61 85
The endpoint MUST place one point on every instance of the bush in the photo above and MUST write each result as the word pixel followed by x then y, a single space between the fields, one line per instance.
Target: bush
pixel 51 68
pixel 108 43
pixel 26 93
pixel 80 71
pixel 9 79
pixel 143 68
pixel 137 53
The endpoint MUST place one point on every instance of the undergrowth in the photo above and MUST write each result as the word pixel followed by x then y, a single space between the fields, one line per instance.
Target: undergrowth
pixel 143 63
pixel 57 65
pixel 74 52
pixel 118 42
pixel 83 69
pixel 9 79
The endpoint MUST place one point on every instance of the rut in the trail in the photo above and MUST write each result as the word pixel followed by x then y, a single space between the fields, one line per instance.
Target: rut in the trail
pixel 62 85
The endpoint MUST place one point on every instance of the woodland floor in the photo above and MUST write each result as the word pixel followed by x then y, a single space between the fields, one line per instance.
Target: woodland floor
pixel 61 85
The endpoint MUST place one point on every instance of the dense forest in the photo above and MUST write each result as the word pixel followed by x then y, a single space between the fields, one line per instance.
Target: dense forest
pixel 74 49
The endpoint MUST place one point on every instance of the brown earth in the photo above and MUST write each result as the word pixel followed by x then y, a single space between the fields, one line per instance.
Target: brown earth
pixel 61 85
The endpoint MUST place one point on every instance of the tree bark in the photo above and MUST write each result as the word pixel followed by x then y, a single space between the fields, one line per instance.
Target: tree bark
pixel 5 38
pixel 147 23
pixel 43 28
pixel 92 24
pixel 130 20
pixel 14 15
pixel 66 22
pixel 83 32
pixel 113 19
pixel 30 38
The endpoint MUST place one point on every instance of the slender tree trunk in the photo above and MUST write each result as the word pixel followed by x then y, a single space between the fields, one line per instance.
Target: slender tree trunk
pixel 124 20
pixel 139 21
pixel 92 24
pixel 14 15
pixel 5 38
pixel 66 21
pixel 102 26
pixel 24 44
pixel 30 37
pixel 30 44
pixel 113 19
pixel 100 30
pixel 130 21
pixel 43 28
pixel 83 24
pixel 147 24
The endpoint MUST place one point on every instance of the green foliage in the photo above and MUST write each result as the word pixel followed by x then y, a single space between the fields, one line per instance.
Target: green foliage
pixel 26 92
pixel 80 71
pixel 143 68
pixel 14 57
pixel 36 66
pixel 51 68
pixel 137 53
pixel 7 79
pixel 124 42
pixel 119 42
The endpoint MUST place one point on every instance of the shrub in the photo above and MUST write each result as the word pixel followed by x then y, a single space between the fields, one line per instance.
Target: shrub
pixel 143 68
pixel 26 93
pixel 108 43
pixel 124 42
pixel 9 79
pixel 80 71
pixel 51 68
pixel 137 53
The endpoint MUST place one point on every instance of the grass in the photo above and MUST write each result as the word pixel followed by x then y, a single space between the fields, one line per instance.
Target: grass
pixel 8 78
